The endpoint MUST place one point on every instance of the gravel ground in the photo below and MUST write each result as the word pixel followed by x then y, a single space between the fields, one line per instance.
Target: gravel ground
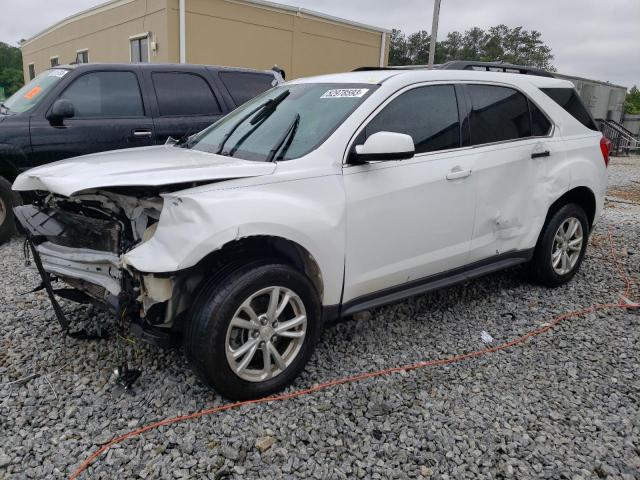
pixel 563 405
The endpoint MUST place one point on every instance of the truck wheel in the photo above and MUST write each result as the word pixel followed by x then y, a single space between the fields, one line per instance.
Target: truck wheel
pixel 251 333
pixel 7 224
pixel 561 247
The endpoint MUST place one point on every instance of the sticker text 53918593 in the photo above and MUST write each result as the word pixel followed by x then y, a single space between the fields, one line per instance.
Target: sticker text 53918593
pixel 345 93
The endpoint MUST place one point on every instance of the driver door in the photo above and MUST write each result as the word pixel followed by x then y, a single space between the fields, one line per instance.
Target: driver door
pixel 409 220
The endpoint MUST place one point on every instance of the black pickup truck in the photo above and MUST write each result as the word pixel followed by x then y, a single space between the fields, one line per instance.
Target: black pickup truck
pixel 75 110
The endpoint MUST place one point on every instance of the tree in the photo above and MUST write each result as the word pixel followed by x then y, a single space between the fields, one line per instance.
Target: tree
pixel 11 76
pixel 632 102
pixel 499 43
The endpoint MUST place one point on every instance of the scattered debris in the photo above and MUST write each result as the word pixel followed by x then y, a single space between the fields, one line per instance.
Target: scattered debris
pixel 265 443
pixel 486 338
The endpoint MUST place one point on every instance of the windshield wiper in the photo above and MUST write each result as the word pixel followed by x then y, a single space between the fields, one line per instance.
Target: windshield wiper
pixel 259 114
pixel 284 142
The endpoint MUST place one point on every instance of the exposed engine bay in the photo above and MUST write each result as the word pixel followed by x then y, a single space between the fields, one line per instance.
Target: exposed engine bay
pixel 81 241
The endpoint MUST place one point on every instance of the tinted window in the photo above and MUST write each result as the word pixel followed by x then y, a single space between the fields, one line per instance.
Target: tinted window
pixel 184 94
pixel 105 94
pixel 243 86
pixel 497 114
pixel 428 114
pixel 540 125
pixel 568 99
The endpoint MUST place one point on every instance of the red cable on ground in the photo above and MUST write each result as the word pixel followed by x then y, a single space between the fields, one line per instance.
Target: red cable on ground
pixel 356 378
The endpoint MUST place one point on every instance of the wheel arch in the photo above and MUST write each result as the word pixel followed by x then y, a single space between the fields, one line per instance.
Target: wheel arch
pixel 582 196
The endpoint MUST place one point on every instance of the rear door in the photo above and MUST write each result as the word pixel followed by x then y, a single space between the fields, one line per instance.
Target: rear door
pixel 109 114
pixel 186 103
pixel 512 149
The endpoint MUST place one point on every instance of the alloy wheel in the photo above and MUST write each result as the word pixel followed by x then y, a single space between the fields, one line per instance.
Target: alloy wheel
pixel 266 334
pixel 567 246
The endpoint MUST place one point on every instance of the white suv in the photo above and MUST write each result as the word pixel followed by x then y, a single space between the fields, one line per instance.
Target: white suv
pixel 323 197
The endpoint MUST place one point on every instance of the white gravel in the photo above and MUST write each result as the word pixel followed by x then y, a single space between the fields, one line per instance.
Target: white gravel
pixel 563 405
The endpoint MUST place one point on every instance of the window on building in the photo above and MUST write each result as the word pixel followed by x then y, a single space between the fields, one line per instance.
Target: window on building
pixel 82 56
pixel 105 95
pixel 182 94
pixel 428 114
pixel 54 61
pixel 243 86
pixel 498 114
pixel 32 71
pixel 139 50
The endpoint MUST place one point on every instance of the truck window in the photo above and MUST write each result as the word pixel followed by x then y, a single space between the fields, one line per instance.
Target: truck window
pixel 243 86
pixel 184 94
pixel 105 95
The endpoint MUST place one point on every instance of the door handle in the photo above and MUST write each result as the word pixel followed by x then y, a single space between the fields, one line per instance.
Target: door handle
pixel 546 153
pixel 458 173
pixel 142 133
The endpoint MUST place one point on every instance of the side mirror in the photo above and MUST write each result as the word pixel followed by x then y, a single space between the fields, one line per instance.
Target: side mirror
pixel 384 146
pixel 60 110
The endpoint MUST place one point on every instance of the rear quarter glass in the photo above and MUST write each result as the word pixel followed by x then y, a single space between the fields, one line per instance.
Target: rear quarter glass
pixel 569 99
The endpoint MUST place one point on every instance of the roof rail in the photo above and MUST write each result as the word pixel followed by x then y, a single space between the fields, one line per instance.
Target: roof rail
pixel 468 65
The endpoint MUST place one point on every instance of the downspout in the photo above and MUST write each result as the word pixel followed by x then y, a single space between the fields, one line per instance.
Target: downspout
pixel 183 32
pixel 383 48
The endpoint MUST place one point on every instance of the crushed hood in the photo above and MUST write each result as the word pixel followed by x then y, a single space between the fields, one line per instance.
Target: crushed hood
pixel 144 167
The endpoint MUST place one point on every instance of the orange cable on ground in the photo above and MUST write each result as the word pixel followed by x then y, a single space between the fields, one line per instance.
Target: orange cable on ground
pixel 356 378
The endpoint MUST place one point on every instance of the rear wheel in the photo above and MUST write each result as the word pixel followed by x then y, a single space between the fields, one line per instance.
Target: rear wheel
pixel 561 247
pixel 7 223
pixel 252 332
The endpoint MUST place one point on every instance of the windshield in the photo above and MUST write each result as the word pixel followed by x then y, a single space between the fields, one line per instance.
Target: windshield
pixel 30 95
pixel 284 123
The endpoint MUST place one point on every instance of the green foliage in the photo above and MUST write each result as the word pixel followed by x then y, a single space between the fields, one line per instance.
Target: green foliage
pixel 11 76
pixel 511 45
pixel 632 102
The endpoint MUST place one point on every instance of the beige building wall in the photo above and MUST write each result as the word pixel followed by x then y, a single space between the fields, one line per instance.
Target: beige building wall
pixel 239 33
pixel 246 34
pixel 104 32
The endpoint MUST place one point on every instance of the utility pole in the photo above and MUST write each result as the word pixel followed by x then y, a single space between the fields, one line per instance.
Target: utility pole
pixel 434 32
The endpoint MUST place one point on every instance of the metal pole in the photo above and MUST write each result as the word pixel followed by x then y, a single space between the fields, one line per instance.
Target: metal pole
pixel 183 32
pixel 434 32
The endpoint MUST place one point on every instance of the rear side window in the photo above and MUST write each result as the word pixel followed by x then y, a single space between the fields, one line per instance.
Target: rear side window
pixel 184 94
pixel 106 95
pixel 568 99
pixel 540 125
pixel 243 86
pixel 428 114
pixel 498 114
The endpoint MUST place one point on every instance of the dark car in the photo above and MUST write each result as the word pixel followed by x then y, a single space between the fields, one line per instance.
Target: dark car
pixel 80 109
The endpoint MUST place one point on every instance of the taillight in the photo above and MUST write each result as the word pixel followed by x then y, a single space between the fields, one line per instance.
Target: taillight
pixel 605 148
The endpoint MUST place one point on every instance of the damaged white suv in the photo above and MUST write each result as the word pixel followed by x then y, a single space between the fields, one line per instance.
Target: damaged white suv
pixel 321 198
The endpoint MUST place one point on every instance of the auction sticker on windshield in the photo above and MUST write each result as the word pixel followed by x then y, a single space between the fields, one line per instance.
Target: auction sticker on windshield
pixel 345 93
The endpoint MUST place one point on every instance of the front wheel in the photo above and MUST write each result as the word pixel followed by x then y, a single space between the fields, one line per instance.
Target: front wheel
pixel 251 333
pixel 562 246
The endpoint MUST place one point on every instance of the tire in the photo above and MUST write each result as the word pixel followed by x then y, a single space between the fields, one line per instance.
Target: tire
pixel 7 221
pixel 542 267
pixel 210 340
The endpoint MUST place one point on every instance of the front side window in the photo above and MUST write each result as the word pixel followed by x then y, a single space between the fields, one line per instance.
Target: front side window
pixel 184 94
pixel 428 114
pixel 284 123
pixel 139 50
pixel 497 114
pixel 243 86
pixel 33 92
pixel 105 95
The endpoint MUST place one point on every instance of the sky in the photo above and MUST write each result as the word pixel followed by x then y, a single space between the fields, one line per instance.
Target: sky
pixel 597 39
